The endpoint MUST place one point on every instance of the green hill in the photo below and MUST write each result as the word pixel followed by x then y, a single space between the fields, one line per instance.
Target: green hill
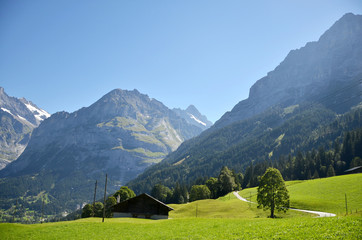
pixel 325 194
pixel 223 218
pixel 225 207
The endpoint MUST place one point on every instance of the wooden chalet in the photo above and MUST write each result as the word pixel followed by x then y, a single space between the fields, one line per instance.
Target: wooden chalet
pixel 142 206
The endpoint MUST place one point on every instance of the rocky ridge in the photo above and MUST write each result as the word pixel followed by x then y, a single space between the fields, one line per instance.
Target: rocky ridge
pixel 18 119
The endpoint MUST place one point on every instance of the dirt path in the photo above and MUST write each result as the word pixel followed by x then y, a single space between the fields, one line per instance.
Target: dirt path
pixel 320 214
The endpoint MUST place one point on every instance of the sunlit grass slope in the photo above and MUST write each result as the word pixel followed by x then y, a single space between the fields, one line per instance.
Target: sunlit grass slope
pixel 223 218
pixel 190 228
pixel 225 207
pixel 325 194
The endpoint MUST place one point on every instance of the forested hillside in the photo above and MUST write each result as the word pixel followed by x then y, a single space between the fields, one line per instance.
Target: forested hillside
pixel 267 137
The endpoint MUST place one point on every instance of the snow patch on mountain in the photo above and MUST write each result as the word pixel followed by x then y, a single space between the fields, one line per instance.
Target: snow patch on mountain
pixel 39 114
pixel 6 110
pixel 197 120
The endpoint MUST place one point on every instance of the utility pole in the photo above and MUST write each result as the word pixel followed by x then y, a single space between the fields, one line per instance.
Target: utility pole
pixel 104 200
pixel 94 199
pixel 42 210
pixel 16 206
pixel 345 197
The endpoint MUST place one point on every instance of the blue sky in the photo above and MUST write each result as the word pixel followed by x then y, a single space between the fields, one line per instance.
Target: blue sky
pixel 64 55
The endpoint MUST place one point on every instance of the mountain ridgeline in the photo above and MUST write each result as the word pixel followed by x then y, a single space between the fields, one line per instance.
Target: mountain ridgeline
pixel 328 71
pixel 194 117
pixel 120 134
pixel 18 119
pixel 288 110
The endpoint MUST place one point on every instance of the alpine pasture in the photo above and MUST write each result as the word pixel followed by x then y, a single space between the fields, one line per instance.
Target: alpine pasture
pixel 225 218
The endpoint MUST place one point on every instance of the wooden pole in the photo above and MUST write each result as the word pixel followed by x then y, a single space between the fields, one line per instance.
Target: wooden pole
pixel 345 197
pixel 94 199
pixel 104 200
pixel 16 206
pixel 42 211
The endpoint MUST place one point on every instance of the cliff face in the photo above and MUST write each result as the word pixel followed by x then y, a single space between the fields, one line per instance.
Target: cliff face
pixel 317 71
pixel 18 118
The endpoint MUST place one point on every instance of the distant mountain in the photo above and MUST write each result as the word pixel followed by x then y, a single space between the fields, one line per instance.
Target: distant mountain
pixel 194 117
pixel 285 111
pixel 328 71
pixel 120 134
pixel 18 119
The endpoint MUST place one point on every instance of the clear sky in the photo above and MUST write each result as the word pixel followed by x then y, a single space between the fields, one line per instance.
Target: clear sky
pixel 64 55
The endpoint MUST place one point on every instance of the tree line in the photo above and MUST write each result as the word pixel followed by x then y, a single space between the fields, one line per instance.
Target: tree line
pixel 317 163
pixel 212 188
pixel 226 182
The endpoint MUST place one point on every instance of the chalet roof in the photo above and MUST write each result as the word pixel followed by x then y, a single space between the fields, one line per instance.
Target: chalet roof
pixel 170 208
pixel 142 196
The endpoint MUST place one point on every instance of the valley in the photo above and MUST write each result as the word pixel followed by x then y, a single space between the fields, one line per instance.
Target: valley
pixel 302 120
pixel 223 218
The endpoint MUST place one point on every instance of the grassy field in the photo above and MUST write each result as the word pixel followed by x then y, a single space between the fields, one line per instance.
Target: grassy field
pixel 225 207
pixel 223 218
pixel 190 228
pixel 325 194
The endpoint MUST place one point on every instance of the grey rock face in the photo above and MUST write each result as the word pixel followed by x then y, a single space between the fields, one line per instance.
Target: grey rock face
pixel 18 119
pixel 122 134
pixel 194 117
pixel 317 72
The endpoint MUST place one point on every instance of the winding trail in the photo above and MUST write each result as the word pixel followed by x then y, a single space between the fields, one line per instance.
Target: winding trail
pixel 320 214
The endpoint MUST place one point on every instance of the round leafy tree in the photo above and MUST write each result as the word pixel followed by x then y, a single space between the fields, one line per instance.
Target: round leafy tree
pixel 199 192
pixel 272 193
pixel 124 193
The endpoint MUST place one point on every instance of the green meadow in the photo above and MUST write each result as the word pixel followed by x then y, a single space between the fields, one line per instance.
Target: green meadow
pixel 325 194
pixel 191 228
pixel 225 207
pixel 224 218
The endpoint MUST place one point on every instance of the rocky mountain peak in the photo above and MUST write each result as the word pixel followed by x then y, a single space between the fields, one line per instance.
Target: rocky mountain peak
pixel 344 29
pixel 307 74
pixel 18 119
pixel 193 116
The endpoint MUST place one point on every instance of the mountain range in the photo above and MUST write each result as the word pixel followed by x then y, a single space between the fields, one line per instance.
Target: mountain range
pixel 304 102
pixel 120 134
pixel 18 119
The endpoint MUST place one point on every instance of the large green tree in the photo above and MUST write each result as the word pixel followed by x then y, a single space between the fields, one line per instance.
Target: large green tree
pixel 180 194
pixel 98 209
pixel 87 211
pixel 199 192
pixel 272 193
pixel 226 180
pixel 124 193
pixel 161 193
pixel 110 202
pixel 213 186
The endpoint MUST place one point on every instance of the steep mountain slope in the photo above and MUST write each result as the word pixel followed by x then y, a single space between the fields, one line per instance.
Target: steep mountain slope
pixel 18 119
pixel 305 93
pixel 193 116
pixel 323 68
pixel 121 134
